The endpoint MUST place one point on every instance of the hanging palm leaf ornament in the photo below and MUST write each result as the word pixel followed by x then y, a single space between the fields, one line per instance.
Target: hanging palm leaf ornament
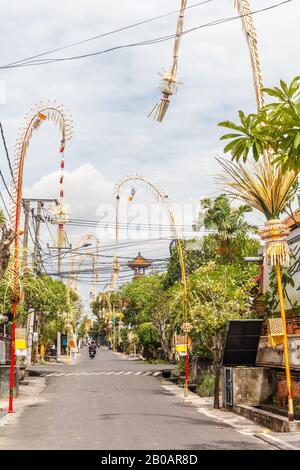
pixel 169 79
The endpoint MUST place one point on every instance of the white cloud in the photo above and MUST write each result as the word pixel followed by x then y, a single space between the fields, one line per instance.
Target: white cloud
pixel 110 96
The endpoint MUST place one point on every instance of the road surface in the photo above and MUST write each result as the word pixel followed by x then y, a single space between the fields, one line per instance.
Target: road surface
pixel 110 403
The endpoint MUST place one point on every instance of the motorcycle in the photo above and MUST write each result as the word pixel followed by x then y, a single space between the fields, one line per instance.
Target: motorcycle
pixel 92 354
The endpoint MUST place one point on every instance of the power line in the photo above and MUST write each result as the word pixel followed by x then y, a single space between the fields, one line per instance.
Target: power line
pixel 6 187
pixel 6 153
pixel 118 30
pixel 4 204
pixel 161 39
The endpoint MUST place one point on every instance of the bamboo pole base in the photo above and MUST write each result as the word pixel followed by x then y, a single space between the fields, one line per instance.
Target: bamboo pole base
pixel 285 345
pixel 290 409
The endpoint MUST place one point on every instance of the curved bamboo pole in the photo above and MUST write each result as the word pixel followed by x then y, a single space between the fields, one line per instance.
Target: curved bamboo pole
pixel 42 112
pixel 79 244
pixel 244 9
pixel 163 198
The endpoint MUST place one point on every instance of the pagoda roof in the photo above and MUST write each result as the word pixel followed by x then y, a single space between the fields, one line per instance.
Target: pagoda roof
pixel 139 262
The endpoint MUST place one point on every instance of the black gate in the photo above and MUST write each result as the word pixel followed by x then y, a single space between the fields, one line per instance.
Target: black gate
pixel 228 386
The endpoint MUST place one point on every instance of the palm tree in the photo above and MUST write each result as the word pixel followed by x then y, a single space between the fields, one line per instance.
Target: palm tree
pixel 227 220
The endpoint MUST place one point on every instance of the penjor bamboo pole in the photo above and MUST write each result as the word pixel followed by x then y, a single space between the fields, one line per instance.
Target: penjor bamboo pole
pixel 244 9
pixel 285 345
pixel 173 224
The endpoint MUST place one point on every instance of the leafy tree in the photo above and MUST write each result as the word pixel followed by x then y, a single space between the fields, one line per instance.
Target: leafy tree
pixel 193 258
pixel 7 237
pixel 149 339
pixel 141 297
pixel 275 127
pixel 228 221
pixel 220 294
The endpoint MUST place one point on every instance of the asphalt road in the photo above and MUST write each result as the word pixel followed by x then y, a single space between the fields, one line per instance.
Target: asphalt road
pixel 108 403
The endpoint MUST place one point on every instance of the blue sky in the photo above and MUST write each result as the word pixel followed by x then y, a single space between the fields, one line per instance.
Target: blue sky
pixel 110 96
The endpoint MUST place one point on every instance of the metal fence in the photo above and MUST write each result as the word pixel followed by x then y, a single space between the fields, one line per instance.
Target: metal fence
pixel 5 348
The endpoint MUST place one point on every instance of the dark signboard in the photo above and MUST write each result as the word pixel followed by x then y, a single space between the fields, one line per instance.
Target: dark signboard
pixel 241 342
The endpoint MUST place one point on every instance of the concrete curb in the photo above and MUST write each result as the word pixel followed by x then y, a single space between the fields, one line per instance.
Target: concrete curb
pixel 274 441
pixel 240 424
pixel 29 395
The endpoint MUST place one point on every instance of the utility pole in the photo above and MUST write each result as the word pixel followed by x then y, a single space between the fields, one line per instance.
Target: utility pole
pixel 26 205
pixel 37 264
pixel 31 317
pixel 37 247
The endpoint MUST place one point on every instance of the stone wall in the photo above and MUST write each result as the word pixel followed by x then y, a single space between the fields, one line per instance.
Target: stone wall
pixel 4 381
pixel 251 385
pixel 273 357
pixel 280 387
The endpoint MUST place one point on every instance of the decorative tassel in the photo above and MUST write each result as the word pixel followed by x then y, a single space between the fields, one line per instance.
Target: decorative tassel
pixel 275 235
pixel 169 79
pixel 162 107
pixel 132 194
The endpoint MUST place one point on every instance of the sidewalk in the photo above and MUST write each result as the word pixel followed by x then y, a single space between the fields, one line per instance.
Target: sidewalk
pixel 28 395
pixel 282 441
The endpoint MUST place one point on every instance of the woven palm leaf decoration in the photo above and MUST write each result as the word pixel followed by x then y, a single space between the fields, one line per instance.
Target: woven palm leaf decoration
pixel 275 235
pixel 244 10
pixel 169 79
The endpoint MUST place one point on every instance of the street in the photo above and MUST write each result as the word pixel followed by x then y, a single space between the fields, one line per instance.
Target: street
pixel 109 403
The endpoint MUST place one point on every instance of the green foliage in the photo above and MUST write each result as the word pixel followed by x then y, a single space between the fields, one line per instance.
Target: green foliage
pixel 220 293
pixel 193 259
pixel 227 220
pixel 141 296
pixel 276 126
pixel 47 297
pixel 271 297
pixel 206 385
pixel 220 287
pixel 148 335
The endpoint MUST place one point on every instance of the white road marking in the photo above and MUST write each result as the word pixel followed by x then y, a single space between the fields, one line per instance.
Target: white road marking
pixel 129 372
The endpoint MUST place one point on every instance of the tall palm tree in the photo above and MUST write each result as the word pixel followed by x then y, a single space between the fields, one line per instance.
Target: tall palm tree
pixel 227 220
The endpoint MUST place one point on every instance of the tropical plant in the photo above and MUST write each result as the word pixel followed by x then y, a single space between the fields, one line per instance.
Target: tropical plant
pixel 220 215
pixel 275 128
pixel 141 297
pixel 261 185
pixel 149 339
pixel 7 237
pixel 219 295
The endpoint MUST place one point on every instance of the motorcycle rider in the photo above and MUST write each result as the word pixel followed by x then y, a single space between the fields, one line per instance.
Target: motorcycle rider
pixel 92 348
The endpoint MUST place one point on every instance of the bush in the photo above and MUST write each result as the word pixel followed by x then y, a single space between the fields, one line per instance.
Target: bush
pixel 206 385
pixel 148 335
pixel 149 339
pixel 181 365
